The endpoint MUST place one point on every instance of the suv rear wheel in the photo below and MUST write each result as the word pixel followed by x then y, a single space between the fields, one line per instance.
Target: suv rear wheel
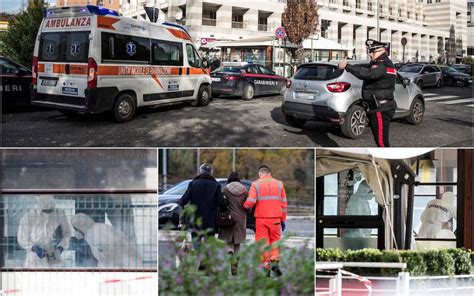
pixel 355 122
pixel 417 110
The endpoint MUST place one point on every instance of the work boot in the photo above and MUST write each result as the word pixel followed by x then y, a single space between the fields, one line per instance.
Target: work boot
pixel 276 270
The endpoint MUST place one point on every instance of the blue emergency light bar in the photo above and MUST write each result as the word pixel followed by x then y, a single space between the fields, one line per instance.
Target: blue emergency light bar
pixel 99 10
pixel 79 10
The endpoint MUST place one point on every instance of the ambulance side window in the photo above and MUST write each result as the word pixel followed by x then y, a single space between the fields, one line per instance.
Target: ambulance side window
pixel 166 53
pixel 193 58
pixel 125 48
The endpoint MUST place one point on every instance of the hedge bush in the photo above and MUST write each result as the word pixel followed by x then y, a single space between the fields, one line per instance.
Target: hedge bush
pixel 419 263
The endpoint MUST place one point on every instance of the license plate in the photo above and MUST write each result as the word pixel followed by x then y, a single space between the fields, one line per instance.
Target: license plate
pixel 217 79
pixel 70 91
pixel 306 96
pixel 47 82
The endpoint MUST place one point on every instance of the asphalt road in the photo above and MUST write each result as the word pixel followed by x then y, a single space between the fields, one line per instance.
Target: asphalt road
pixel 231 122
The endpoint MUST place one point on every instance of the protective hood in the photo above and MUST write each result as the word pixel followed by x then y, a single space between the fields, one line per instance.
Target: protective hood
pixel 46 202
pixel 82 222
pixel 364 191
pixel 236 188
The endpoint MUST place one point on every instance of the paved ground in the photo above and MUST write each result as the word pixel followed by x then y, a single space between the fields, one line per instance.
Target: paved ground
pixel 231 122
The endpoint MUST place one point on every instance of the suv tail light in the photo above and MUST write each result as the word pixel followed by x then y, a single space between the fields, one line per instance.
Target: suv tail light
pixel 91 73
pixel 338 87
pixel 34 75
pixel 288 83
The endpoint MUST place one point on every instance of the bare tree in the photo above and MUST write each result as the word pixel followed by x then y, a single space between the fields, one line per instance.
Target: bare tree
pixel 300 20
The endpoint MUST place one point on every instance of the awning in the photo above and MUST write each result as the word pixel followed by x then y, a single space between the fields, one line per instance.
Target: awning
pixel 321 43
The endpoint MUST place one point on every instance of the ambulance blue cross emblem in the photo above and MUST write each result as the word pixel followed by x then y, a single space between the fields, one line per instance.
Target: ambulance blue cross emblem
pixel 131 48
pixel 75 49
pixel 50 49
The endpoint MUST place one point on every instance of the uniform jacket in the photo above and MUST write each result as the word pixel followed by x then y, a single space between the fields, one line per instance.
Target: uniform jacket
pixel 205 193
pixel 236 194
pixel 269 198
pixel 378 78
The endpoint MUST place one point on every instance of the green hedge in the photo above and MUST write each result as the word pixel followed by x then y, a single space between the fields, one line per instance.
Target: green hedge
pixel 419 263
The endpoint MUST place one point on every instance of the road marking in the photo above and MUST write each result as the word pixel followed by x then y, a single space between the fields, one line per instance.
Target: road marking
pixel 442 98
pixel 472 106
pixel 429 95
pixel 459 101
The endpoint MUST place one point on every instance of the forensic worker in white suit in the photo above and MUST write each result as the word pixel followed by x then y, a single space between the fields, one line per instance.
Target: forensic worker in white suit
pixel 110 247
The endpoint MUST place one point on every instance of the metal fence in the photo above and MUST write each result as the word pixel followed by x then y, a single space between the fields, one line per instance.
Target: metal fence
pixel 84 230
pixel 339 282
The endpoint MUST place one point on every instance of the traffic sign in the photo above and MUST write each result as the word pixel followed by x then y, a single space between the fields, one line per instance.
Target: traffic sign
pixel 404 41
pixel 280 33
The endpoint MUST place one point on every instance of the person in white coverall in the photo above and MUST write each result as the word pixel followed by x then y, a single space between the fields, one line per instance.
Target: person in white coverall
pixel 44 234
pixel 437 213
pixel 110 247
pixel 358 205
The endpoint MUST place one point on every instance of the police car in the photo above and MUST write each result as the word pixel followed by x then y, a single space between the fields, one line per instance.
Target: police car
pixel 88 59
pixel 246 80
pixel 15 81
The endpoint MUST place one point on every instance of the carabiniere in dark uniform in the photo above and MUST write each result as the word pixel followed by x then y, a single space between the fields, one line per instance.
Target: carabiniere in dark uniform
pixel 377 89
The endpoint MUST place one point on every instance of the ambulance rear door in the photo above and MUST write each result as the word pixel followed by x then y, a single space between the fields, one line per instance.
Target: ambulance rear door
pixel 63 58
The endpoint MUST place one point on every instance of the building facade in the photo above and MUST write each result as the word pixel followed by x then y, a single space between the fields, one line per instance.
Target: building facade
pixel 111 4
pixel 434 29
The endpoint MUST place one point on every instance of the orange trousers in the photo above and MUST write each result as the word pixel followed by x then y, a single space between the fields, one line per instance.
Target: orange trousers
pixel 268 229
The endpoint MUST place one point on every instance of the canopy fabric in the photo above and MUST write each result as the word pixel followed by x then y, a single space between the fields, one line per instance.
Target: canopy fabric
pixel 323 43
pixel 332 161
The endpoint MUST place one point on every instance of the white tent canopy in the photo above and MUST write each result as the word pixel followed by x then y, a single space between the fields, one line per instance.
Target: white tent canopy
pixel 321 43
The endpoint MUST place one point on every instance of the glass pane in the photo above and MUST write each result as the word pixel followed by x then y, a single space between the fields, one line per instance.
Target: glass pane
pixel 347 193
pixel 350 238
pixel 434 211
pixel 79 169
pixel 79 231
pixel 439 166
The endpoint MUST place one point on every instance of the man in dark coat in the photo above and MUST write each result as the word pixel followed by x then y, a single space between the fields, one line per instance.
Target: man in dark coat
pixel 206 195
pixel 377 89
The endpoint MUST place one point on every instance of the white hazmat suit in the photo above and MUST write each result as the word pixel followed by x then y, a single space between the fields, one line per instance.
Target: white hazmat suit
pixel 358 205
pixel 44 233
pixel 109 246
pixel 437 212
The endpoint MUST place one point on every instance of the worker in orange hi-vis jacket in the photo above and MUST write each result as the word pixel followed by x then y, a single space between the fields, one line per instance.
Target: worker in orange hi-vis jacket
pixel 268 196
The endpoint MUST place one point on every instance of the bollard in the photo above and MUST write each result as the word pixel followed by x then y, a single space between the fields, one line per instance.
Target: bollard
pixel 403 284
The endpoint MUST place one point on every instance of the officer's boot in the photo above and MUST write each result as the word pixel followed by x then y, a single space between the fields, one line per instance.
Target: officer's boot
pixel 276 269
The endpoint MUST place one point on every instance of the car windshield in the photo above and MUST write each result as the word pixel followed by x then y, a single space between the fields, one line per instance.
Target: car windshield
pixel 411 68
pixel 178 189
pixel 317 72
pixel 228 69
pixel 448 70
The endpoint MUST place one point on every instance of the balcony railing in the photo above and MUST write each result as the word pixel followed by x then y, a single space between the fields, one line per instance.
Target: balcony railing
pixel 209 22
pixel 262 27
pixel 237 25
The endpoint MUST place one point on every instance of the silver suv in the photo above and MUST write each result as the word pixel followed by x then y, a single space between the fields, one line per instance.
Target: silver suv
pixel 321 92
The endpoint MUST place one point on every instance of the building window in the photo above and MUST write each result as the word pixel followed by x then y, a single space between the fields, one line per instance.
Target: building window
pixel 237 21
pixel 345 2
pixel 416 16
pixel 369 6
pixel 358 4
pixel 209 18
pixel 399 12
pixel 408 14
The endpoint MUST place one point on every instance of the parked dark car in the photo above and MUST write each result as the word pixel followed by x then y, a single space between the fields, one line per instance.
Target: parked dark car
pixel 15 81
pixel 452 77
pixel 169 210
pixel 246 80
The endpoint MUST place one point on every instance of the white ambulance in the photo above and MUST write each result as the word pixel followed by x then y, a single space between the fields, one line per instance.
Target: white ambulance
pixel 88 59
